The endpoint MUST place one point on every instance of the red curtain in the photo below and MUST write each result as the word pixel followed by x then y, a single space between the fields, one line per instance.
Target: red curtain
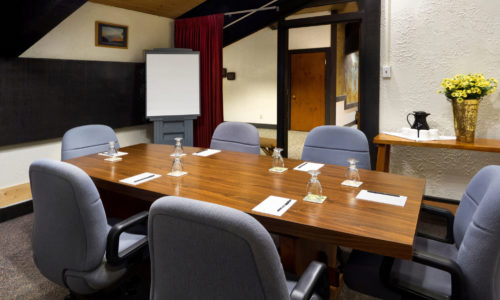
pixel 204 34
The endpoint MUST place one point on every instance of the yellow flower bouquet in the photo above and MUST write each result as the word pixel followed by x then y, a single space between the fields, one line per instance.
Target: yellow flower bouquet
pixel 464 87
pixel 465 92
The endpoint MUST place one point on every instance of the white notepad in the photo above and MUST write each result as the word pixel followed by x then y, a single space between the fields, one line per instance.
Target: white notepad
pixel 117 154
pixel 141 178
pixel 274 205
pixel 382 198
pixel 308 166
pixel 206 152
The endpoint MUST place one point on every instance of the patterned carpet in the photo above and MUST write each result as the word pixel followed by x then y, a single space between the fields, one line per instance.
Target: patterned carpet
pixel 20 279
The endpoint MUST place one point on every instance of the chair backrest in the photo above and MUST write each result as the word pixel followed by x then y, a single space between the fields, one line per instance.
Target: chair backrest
pixel 87 139
pixel 70 229
pixel 331 144
pixel 202 250
pixel 236 136
pixel 477 234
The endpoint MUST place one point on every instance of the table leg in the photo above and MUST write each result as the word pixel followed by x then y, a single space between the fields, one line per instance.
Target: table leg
pixel 297 253
pixel 383 157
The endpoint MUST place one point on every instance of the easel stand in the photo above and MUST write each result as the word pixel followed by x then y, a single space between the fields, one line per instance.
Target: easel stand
pixel 169 127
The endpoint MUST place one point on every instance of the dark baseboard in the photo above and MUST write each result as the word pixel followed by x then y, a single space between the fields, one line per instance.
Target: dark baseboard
pixel 16 210
pixel 351 123
pixel 442 200
pixel 341 98
pixel 264 126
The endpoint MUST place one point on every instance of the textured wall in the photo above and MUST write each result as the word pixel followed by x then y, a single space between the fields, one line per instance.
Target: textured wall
pixel 430 40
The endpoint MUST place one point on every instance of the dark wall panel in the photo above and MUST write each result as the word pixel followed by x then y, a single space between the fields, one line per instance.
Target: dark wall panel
pixel 42 98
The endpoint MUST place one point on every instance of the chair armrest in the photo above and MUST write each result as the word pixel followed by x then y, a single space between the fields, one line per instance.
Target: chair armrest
pixel 112 256
pixel 314 278
pixel 445 264
pixel 442 212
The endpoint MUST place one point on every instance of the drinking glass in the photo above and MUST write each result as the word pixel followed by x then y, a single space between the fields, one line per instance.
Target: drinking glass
pixel 112 149
pixel 314 186
pixel 278 159
pixel 352 172
pixel 178 150
pixel 177 166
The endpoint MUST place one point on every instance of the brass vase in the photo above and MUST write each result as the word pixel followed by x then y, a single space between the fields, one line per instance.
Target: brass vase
pixel 465 117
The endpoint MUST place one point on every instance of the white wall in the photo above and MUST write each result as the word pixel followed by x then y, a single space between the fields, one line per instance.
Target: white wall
pixel 15 160
pixel 344 117
pixel 252 96
pixel 311 36
pixel 428 41
pixel 74 39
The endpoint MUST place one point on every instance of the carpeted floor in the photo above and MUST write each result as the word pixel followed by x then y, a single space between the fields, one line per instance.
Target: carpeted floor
pixel 20 279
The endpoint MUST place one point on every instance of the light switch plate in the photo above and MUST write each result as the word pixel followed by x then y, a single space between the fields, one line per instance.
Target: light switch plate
pixel 386 72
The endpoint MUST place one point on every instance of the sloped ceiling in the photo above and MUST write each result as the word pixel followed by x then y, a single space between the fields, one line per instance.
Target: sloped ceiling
pixel 30 20
pixel 165 8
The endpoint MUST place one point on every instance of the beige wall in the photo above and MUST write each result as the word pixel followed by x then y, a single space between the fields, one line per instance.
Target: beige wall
pixel 428 41
pixel 252 96
pixel 74 39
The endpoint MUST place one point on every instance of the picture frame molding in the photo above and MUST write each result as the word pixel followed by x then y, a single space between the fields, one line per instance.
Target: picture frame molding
pixel 98 35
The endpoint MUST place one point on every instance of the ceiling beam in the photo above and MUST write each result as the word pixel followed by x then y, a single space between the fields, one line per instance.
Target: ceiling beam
pixel 321 20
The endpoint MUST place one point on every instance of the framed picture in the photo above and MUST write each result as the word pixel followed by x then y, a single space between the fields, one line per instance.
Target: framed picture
pixel 351 75
pixel 111 35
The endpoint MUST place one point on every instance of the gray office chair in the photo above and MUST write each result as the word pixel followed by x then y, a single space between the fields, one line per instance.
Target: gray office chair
pixel 236 136
pixel 464 265
pixel 73 245
pixel 87 139
pixel 202 250
pixel 331 144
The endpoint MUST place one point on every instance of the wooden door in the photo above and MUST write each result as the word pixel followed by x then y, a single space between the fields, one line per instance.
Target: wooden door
pixel 307 84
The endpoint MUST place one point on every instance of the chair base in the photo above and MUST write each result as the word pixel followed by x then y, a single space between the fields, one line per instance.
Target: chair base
pixel 135 286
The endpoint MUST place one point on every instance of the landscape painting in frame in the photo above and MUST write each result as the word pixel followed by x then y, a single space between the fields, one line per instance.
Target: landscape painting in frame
pixel 111 35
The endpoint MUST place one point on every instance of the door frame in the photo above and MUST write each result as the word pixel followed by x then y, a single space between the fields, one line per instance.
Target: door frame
pixel 328 75
pixel 369 72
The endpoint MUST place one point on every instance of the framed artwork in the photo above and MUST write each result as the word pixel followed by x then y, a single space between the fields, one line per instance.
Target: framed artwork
pixel 111 35
pixel 351 73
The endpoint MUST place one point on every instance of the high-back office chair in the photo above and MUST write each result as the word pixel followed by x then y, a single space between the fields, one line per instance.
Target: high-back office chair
pixel 202 250
pixel 73 245
pixel 87 139
pixel 236 136
pixel 467 269
pixel 331 144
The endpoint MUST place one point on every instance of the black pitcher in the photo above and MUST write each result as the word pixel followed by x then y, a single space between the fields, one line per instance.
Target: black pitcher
pixel 420 122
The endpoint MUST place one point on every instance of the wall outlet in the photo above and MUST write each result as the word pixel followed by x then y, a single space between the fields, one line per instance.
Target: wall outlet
pixel 386 72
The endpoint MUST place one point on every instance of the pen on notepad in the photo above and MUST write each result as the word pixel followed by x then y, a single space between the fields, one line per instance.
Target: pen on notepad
pixel 284 205
pixel 387 194
pixel 200 151
pixel 301 165
pixel 144 178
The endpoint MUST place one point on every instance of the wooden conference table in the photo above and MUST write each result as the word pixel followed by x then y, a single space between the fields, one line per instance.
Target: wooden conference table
pixel 242 181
